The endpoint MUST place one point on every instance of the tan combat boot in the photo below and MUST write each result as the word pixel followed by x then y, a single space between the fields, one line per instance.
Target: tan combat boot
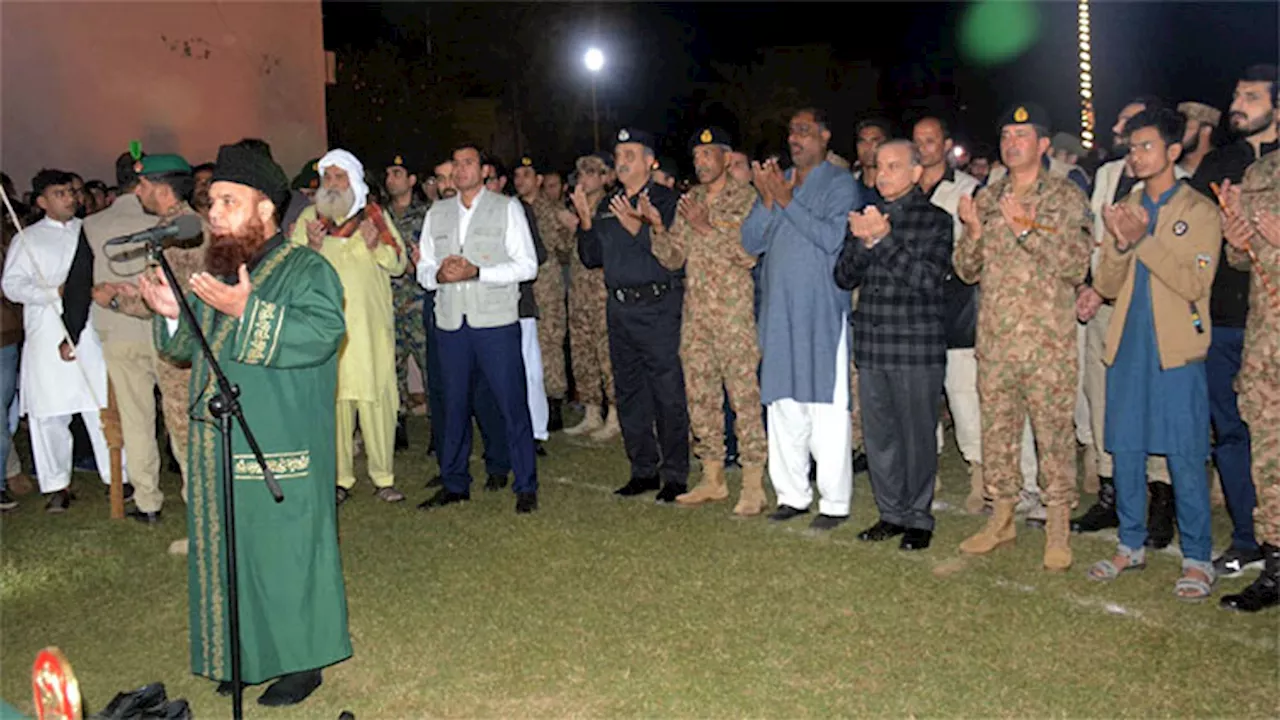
pixel 610 429
pixel 977 491
pixel 752 500
pixel 590 421
pixel 1057 537
pixel 711 489
pixel 998 531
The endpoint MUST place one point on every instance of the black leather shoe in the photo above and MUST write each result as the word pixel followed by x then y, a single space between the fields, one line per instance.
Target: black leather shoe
pixel 827 522
pixel 916 539
pixel 341 494
pixel 526 503
pixel 58 502
pixel 1102 514
pixel 1160 516
pixel 495 483
pixel 437 481
pixel 147 518
pixel 402 435
pixel 859 462
pixel 291 689
pixel 555 414
pixel 669 492
pixel 224 688
pixel 128 493
pixel 786 512
pixel 443 497
pixel 539 448
pixel 881 531
pixel 639 486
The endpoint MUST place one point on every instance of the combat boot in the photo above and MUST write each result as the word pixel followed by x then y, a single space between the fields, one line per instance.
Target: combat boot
pixel 1057 537
pixel 1103 513
pixel 977 491
pixel 610 429
pixel 590 421
pixel 712 487
pixel 1160 521
pixel 1264 592
pixel 752 500
pixel 998 531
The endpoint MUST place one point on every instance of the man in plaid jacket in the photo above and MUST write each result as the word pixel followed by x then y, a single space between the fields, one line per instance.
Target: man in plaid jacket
pixel 898 252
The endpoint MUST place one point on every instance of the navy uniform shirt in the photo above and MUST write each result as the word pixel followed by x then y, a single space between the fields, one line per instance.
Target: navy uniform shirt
pixel 628 261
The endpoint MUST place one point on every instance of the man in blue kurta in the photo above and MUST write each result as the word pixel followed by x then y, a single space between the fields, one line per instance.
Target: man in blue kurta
pixel 1158 263
pixel 272 313
pixel 799 224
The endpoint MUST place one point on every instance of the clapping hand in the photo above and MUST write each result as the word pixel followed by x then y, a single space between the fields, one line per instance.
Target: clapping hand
pixel 369 231
pixel 870 226
pixel 1018 215
pixel 315 234
pixel 1127 223
pixel 696 214
pixel 627 216
pixel 1268 224
pixel 647 212
pixel 582 206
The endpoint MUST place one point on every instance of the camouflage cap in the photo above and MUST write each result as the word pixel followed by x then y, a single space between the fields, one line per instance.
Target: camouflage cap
pixel 1068 143
pixel 591 163
pixel 1200 112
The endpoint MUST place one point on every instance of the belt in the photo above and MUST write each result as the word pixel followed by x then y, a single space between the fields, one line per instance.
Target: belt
pixel 647 291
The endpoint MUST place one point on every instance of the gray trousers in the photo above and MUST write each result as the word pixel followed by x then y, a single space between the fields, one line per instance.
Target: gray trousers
pixel 899 423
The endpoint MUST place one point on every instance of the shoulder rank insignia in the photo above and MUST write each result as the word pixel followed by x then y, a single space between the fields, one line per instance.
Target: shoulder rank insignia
pixel 1180 228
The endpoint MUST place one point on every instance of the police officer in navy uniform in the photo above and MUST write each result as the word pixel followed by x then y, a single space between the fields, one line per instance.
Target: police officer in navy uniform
pixel 644 308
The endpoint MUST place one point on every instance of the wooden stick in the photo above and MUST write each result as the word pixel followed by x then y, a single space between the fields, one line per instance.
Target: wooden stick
pixel 115 441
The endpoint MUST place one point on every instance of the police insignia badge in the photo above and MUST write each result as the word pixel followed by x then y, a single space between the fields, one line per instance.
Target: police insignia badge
pixel 705 136
pixel 1202 261
pixel 1180 228
pixel 1020 115
pixel 527 162
pixel 623 135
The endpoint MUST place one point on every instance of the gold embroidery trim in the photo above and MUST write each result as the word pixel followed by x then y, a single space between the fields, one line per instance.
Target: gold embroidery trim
pixel 283 465
pixel 263 332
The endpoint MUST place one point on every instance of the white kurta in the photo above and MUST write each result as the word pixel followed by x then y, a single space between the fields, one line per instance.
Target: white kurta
pixel 37 263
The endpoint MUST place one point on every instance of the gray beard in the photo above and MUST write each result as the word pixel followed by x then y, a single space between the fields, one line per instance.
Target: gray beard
pixel 335 204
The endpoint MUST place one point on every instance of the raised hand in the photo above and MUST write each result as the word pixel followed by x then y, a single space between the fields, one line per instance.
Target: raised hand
pixel 227 299
pixel 696 214
pixel 968 211
pixel 627 216
pixel 1237 231
pixel 647 212
pixel 761 178
pixel 1019 216
pixel 158 295
pixel 582 206
pixel 315 234
pixel 369 231
pixel 1127 223
pixel 1268 224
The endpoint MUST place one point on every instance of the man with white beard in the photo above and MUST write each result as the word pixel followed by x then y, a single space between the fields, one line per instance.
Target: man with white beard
pixel 362 243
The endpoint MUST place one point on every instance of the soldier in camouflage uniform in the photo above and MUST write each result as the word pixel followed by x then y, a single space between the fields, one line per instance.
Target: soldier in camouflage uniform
pixel 548 289
pixel 1252 222
pixel 588 337
pixel 718 342
pixel 407 296
pixel 1027 240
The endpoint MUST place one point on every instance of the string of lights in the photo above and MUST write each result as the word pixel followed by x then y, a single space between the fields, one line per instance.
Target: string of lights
pixel 1086 77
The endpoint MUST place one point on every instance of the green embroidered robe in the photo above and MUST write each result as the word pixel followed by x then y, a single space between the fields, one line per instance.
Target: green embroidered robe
pixel 283 353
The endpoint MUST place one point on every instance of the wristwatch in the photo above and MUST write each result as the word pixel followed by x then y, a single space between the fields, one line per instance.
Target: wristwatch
pixel 1024 235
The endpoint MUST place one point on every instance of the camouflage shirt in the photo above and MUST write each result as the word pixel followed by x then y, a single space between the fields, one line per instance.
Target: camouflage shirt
pixel 185 261
pixel 406 294
pixel 1260 190
pixel 1027 310
pixel 557 238
pixel 717 268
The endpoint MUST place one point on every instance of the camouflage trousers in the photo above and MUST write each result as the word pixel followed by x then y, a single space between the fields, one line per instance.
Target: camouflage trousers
pixel 548 292
pixel 411 342
pixel 719 352
pixel 175 392
pixel 1009 392
pixel 589 338
pixel 1260 409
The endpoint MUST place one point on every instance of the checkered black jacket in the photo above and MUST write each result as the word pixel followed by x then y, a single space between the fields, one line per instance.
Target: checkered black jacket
pixel 899 321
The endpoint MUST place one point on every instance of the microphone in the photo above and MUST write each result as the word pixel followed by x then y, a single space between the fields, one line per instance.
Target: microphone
pixel 184 228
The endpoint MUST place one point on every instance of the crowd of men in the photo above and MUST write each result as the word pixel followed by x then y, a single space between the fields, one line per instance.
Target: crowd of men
pixel 803 323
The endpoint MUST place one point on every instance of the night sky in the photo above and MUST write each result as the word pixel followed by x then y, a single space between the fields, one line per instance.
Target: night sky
pixel 658 52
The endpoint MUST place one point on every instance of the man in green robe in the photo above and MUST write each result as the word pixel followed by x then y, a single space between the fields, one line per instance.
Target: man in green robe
pixel 272 313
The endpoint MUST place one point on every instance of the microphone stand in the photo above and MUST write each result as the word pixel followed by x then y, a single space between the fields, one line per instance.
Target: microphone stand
pixel 224 406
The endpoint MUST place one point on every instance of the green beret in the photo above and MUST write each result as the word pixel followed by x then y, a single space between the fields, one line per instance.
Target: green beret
pixel 162 165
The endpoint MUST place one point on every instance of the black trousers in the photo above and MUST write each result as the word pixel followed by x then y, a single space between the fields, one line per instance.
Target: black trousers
pixel 644 346
pixel 899 427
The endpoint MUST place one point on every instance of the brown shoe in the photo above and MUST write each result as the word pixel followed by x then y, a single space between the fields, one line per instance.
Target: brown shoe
pixel 712 487
pixel 752 501
pixel 998 531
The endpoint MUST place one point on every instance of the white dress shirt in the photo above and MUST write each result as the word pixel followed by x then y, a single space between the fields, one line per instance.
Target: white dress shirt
pixel 523 263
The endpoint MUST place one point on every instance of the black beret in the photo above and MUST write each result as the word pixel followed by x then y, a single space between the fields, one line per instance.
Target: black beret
pixel 530 161
pixel 710 136
pixel 398 160
pixel 1024 114
pixel 632 135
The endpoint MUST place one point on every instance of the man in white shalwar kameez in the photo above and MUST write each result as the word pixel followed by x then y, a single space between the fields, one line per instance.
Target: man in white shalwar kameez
pixel 55 382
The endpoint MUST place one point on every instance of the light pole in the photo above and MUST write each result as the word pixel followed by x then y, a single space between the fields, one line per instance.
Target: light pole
pixel 594 60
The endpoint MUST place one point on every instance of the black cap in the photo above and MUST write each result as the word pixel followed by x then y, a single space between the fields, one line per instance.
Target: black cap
pixel 633 135
pixel 1024 114
pixel 398 160
pixel 530 161
pixel 710 136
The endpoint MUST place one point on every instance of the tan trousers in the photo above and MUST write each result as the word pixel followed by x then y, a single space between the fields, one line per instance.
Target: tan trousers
pixel 132 369
pixel 175 389
pixel 378 430
pixel 1095 390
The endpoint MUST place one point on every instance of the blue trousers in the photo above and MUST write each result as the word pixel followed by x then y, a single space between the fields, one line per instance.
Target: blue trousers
pixel 466 355
pixel 9 357
pixel 497 460
pixel 1190 502
pixel 1232 451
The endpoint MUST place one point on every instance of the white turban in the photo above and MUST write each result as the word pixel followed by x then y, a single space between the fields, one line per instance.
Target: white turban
pixel 355 174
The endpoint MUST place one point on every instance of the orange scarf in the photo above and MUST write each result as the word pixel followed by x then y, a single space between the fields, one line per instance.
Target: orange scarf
pixel 348 228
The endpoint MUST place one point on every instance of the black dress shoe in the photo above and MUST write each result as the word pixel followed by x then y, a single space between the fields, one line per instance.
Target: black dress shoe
pixel 638 486
pixel 402 435
pixel 147 518
pixel 555 415
pixel 539 449
pixel 341 494
pixel 859 462
pixel 442 498
pixel 224 688
pixel 128 493
pixel 495 483
pixel 437 481
pixel 526 503
pixel 669 492
pixel 915 539
pixel 786 512
pixel 58 502
pixel 291 689
pixel 827 522
pixel 881 531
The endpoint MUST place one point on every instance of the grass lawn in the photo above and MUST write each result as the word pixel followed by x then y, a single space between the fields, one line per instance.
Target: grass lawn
pixel 596 606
